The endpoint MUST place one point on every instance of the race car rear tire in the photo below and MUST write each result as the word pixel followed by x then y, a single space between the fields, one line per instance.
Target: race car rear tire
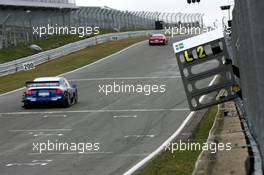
pixel 67 101
pixel 76 98
pixel 27 105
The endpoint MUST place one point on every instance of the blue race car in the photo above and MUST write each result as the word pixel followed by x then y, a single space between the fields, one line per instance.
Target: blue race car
pixel 50 90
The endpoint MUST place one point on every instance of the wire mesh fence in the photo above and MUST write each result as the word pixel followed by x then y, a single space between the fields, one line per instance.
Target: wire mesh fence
pixel 16 22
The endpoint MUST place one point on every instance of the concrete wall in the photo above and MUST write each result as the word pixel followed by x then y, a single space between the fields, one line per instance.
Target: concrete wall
pixel 248 47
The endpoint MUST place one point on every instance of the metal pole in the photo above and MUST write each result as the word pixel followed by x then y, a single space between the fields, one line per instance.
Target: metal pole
pixel 202 23
pixel 167 19
pixel 123 16
pixel 4 40
pixel 110 18
pixel 163 17
pixel 145 20
pixel 149 19
pixel 177 18
pixel 173 19
pixel 89 16
pixel 97 17
pixel 104 21
pixel 184 19
pixel 81 16
pixel 127 20
pixel 93 16
pixel 141 21
pixel 189 18
pixel 29 25
pixel 86 17
pixel 119 20
pixel 101 17
pixel 133 19
pixel 152 17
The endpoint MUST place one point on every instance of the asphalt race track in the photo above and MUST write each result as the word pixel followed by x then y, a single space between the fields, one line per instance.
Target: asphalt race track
pixel 128 126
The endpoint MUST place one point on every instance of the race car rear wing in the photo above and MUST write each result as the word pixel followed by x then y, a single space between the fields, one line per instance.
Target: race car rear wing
pixel 42 84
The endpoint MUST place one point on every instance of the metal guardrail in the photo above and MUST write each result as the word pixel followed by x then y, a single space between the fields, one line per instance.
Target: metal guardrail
pixel 37 59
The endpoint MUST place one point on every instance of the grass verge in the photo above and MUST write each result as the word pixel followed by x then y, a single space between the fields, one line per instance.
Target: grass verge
pixel 182 162
pixel 23 50
pixel 66 63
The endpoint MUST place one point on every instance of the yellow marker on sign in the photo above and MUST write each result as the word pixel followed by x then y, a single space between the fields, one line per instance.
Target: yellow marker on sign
pixel 187 57
pixel 201 52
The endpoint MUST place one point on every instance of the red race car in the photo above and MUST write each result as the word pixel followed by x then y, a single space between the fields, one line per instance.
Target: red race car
pixel 158 39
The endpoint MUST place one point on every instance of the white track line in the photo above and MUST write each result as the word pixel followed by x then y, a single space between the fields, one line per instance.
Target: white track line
pixel 33 163
pixel 55 116
pixel 43 134
pixel 139 136
pixel 124 78
pixel 40 130
pixel 94 111
pixel 47 160
pixel 132 155
pixel 114 54
pixel 169 140
pixel 125 116
pixel 26 164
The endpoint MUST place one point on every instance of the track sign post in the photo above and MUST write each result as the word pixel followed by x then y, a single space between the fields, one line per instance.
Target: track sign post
pixel 200 60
